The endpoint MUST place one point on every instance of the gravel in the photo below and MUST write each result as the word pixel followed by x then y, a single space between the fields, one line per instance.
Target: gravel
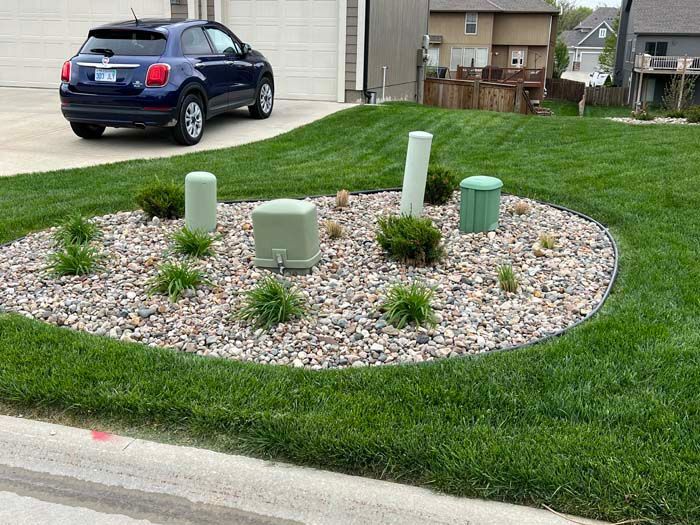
pixel 343 327
pixel 657 120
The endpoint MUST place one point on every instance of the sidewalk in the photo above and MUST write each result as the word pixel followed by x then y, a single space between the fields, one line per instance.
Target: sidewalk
pixel 56 474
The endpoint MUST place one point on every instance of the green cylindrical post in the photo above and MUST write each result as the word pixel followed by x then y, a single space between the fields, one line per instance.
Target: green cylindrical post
pixel 481 200
pixel 200 201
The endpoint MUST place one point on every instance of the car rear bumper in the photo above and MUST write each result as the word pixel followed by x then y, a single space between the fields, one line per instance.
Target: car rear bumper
pixel 119 116
pixel 119 112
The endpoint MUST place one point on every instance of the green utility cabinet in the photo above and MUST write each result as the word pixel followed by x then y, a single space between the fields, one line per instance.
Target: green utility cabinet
pixel 286 235
pixel 480 205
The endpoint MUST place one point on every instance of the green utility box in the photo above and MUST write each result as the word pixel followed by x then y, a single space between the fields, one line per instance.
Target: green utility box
pixel 286 235
pixel 200 201
pixel 481 200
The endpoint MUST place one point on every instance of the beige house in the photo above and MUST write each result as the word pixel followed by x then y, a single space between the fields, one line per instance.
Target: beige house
pixel 509 35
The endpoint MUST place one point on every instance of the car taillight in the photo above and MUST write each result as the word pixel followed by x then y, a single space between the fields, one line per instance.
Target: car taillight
pixel 65 71
pixel 157 75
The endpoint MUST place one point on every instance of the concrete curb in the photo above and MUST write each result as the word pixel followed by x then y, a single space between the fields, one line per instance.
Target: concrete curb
pixel 147 480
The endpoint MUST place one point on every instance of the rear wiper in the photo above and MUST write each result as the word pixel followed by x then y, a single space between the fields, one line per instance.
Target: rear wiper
pixel 103 51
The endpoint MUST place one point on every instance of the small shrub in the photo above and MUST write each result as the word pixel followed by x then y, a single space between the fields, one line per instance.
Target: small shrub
pixel 162 199
pixel 76 229
pixel 507 279
pixel 410 240
pixel 642 114
pixel 676 113
pixel 547 241
pixel 195 243
pixel 693 115
pixel 271 302
pixel 406 305
pixel 342 199
pixel 174 278
pixel 334 230
pixel 521 208
pixel 439 186
pixel 75 259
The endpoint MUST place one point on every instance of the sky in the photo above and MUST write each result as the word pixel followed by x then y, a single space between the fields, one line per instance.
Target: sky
pixel 597 3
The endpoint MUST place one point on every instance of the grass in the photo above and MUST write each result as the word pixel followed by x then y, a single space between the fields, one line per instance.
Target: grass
pixel 175 278
pixel 74 259
pixel 195 243
pixel 271 302
pixel 76 229
pixel 409 304
pixel 603 422
pixel 565 108
pixel 507 279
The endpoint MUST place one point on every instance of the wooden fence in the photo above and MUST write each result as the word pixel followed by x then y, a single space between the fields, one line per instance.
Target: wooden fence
pixel 473 94
pixel 573 91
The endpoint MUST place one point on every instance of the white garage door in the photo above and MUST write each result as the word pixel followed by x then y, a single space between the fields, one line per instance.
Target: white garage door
pixel 37 36
pixel 298 37
pixel 589 62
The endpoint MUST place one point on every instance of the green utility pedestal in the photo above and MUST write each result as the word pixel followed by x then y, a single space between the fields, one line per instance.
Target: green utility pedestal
pixel 481 200
pixel 286 236
pixel 200 201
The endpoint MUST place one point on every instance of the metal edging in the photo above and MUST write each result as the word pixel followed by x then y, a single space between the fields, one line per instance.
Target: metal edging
pixel 543 339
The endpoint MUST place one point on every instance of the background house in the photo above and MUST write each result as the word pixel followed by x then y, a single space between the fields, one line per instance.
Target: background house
pixel 320 49
pixel 502 33
pixel 587 40
pixel 666 32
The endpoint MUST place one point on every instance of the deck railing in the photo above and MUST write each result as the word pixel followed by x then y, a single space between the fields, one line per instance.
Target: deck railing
pixel 666 63
pixel 507 75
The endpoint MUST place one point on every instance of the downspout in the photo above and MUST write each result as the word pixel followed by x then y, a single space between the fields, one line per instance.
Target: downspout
pixel 366 50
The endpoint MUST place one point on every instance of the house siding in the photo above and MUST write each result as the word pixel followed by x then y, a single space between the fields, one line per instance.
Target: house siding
pixel 521 29
pixel 178 10
pixel 395 36
pixel 351 45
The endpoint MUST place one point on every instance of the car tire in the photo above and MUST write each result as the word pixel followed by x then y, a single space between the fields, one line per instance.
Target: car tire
pixel 264 100
pixel 190 123
pixel 87 131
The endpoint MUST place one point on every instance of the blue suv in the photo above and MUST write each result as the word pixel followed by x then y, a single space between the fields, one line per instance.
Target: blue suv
pixel 167 73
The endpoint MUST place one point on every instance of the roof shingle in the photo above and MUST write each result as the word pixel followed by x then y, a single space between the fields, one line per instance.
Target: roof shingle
pixel 495 6
pixel 667 17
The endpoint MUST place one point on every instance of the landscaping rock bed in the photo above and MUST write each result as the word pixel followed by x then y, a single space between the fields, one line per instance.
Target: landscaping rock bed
pixel 558 287
pixel 657 120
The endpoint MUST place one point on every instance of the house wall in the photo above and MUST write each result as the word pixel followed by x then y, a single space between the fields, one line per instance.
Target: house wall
pixel 521 29
pixel 452 26
pixel 593 40
pixel 179 10
pixel 396 29
pixel 351 61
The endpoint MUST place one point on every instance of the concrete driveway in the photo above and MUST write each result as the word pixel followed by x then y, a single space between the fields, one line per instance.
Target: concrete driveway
pixel 36 137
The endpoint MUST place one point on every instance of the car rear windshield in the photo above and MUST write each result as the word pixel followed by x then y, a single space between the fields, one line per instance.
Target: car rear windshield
pixel 113 42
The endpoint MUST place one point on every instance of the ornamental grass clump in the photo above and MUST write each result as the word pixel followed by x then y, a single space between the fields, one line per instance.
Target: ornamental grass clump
pixel 342 199
pixel 642 114
pixel 439 185
pixel 406 305
pixel 271 302
pixel 76 229
pixel 507 279
pixel 521 208
pixel 75 259
pixel 334 230
pixel 547 241
pixel 410 240
pixel 173 279
pixel 193 243
pixel 162 199
pixel 692 115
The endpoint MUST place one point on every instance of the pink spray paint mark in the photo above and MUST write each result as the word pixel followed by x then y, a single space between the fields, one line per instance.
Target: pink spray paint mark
pixel 101 436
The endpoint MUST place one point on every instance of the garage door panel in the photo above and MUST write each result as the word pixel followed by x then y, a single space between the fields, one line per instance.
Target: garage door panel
pixel 589 62
pixel 36 36
pixel 299 38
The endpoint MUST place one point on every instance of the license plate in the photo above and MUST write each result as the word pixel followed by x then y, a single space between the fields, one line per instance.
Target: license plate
pixel 105 75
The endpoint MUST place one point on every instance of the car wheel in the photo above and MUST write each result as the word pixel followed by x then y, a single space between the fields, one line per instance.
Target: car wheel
pixel 87 131
pixel 264 100
pixel 190 123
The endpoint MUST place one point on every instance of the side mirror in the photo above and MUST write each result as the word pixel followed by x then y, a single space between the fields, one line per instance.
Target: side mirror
pixel 246 49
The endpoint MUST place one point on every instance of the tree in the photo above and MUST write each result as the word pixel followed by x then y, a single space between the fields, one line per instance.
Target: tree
pixel 607 56
pixel 571 14
pixel 561 58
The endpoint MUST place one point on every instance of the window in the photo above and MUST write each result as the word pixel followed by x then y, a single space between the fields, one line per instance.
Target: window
pixel 656 49
pixel 469 57
pixel 111 42
pixel 222 43
pixel 603 32
pixel 194 42
pixel 517 58
pixel 471 23
pixel 433 56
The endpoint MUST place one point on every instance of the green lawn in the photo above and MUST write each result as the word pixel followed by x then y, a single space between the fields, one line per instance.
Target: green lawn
pixel 564 108
pixel 603 422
